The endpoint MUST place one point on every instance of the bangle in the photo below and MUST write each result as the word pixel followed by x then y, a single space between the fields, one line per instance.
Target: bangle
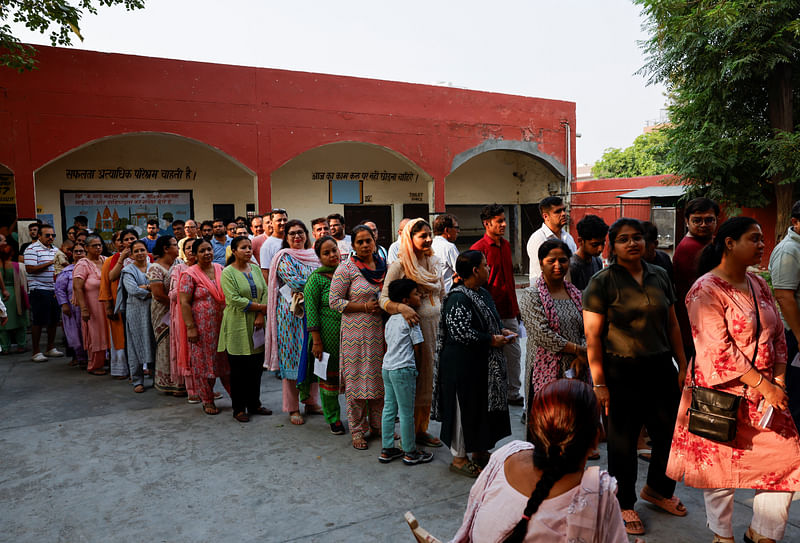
pixel 780 380
pixel 599 386
pixel 760 380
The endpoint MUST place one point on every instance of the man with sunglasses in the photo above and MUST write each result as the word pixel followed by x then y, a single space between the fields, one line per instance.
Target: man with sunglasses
pixel 554 217
pixel 39 259
pixel 701 221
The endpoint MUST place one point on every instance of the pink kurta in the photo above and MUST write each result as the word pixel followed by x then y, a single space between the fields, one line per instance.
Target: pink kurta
pixel 95 330
pixel 723 327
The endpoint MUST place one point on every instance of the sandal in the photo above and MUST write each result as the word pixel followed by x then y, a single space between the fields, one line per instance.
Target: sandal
pixel 720 539
pixel 260 411
pixel 296 418
pixel 242 417
pixel 751 536
pixel 671 505
pixel 138 389
pixel 359 443
pixel 210 409
pixel 633 524
pixel 470 469
pixel 103 372
pixel 427 440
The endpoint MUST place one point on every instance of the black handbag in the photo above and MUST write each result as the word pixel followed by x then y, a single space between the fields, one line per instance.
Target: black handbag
pixel 713 413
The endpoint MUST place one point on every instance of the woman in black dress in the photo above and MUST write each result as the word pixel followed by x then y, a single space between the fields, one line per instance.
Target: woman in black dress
pixel 471 387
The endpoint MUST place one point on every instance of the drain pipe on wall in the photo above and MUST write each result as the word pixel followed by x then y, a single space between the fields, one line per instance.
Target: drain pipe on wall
pixel 567 174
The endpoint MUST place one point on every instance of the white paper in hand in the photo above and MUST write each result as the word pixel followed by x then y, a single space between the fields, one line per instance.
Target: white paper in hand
pixel 796 361
pixel 286 292
pixel 258 338
pixel 522 332
pixel 321 366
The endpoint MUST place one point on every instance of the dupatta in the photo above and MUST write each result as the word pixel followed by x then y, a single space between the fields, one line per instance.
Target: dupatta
pixel 213 287
pixel 425 278
pixel 547 363
pixel 305 256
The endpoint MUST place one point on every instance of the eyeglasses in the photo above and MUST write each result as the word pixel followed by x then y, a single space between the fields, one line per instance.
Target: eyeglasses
pixel 703 220
pixel 624 240
pixel 296 234
pixel 48 235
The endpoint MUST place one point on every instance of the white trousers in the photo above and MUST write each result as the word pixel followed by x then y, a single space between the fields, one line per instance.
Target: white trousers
pixel 770 512
pixel 513 354
pixel 457 446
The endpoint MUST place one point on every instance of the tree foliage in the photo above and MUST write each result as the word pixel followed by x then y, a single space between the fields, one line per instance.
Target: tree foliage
pixel 647 156
pixel 731 68
pixel 39 15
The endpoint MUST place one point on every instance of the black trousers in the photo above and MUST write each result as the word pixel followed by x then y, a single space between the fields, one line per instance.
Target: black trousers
pixel 643 391
pixel 793 378
pixel 246 381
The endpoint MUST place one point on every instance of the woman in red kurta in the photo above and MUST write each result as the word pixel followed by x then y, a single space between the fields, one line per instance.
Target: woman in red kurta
pixel 723 317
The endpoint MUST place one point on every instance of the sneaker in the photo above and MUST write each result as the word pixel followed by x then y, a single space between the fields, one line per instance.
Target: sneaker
pixel 54 353
pixel 337 428
pixel 387 455
pixel 193 399
pixel 417 457
pixel 39 357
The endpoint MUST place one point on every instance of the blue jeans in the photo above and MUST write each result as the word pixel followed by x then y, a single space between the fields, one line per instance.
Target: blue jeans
pixel 400 387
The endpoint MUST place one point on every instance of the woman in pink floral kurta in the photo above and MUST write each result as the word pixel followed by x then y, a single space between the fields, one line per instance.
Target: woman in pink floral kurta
pixel 723 320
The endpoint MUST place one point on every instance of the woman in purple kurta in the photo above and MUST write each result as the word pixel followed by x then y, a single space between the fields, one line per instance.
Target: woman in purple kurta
pixel 71 318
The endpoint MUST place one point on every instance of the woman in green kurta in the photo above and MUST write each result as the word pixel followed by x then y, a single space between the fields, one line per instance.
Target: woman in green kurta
pixel 323 325
pixel 243 321
pixel 14 296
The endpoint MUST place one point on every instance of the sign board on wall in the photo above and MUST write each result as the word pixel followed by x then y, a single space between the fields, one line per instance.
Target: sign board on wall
pixel 7 193
pixel 108 211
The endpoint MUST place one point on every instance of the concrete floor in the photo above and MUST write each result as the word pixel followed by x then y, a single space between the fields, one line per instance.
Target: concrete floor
pixel 84 459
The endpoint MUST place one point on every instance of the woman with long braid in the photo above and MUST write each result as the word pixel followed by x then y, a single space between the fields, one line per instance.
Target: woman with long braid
pixel 567 502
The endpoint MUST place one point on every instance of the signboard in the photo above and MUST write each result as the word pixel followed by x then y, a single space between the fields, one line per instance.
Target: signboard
pixel 7 193
pixel 108 211
pixel 345 192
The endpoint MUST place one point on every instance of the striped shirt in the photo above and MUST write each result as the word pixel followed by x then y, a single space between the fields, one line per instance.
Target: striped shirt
pixel 35 255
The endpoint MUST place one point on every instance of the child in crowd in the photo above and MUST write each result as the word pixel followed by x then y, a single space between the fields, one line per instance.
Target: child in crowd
pixel 400 378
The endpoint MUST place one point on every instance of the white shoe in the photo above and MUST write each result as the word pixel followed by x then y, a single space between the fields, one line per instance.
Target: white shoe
pixel 54 353
pixel 39 357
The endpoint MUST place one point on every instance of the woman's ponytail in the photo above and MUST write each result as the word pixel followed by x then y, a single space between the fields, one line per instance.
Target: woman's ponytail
pixel 550 476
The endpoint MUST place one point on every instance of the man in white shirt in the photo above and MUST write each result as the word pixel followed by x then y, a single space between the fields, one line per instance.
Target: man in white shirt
pixel 336 225
pixel 445 230
pixel 274 242
pixel 554 214
pixel 394 248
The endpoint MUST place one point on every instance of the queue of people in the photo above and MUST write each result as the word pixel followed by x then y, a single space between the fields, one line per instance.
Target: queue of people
pixel 420 332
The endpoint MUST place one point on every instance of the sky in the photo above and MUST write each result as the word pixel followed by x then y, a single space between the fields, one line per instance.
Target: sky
pixel 583 51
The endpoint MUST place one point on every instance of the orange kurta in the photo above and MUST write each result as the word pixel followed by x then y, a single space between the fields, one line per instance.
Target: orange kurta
pixel 724 327
pixel 108 292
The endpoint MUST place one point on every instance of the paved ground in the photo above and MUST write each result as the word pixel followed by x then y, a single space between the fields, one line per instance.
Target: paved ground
pixel 84 459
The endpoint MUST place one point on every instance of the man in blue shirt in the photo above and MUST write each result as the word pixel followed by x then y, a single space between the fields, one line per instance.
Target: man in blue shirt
pixel 220 241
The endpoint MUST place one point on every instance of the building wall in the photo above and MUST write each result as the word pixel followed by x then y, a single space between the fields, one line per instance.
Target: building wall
pixel 214 178
pixel 302 184
pixel 261 118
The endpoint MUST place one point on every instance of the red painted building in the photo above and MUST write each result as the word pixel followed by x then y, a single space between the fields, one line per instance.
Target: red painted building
pixel 87 122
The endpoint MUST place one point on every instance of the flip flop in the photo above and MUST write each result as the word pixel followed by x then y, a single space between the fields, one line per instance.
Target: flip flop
pixel 671 505
pixel 633 524
pixel 138 389
pixel 427 440
pixel 297 419
pixel 210 409
pixel 359 443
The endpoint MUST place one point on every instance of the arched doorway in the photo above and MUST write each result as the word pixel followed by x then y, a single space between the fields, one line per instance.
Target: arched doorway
pixel 508 174
pixel 359 180
pixel 124 180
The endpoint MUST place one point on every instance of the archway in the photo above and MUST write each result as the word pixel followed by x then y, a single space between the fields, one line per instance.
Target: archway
pixel 360 180
pixel 123 180
pixel 514 174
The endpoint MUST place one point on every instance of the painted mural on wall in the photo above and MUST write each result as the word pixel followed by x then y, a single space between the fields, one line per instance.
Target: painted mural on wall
pixel 109 211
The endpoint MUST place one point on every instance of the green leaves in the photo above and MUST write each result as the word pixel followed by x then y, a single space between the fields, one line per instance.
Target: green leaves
pixel 719 59
pixel 645 157
pixel 40 15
